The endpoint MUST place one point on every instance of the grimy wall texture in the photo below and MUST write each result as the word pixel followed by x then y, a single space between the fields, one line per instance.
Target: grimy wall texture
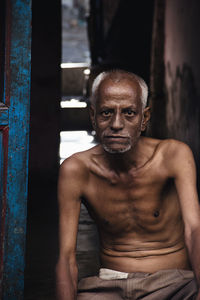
pixel 182 71
pixel 175 72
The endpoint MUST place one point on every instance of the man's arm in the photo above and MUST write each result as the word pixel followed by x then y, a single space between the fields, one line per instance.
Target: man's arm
pixel 70 184
pixel 185 180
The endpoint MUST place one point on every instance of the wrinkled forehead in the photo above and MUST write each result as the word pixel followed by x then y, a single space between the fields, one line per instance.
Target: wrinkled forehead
pixel 119 88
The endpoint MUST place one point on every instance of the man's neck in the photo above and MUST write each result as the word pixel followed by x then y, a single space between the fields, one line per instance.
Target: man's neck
pixel 124 162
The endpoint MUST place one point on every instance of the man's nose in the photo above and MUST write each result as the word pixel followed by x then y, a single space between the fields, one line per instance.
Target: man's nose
pixel 117 122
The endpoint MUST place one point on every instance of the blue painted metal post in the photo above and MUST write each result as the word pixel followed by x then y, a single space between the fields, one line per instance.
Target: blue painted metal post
pixel 16 99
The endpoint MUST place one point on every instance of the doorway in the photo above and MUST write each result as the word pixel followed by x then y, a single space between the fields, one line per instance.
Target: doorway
pixel 109 47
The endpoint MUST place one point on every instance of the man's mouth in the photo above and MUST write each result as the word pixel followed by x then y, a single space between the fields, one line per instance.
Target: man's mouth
pixel 116 138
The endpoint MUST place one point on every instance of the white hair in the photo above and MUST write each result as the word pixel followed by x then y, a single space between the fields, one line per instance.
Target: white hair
pixel 102 76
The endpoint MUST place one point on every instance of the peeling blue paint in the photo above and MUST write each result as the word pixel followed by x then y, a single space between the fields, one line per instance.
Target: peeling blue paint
pixel 17 91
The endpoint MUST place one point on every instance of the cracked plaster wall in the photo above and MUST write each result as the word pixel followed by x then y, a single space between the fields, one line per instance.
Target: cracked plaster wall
pixel 182 71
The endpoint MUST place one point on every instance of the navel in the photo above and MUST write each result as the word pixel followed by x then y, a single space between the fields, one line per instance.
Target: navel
pixel 156 213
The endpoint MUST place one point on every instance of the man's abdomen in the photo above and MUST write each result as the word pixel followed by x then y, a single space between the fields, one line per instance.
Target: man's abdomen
pixel 146 261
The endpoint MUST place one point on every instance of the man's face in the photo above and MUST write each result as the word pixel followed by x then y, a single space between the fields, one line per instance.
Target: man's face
pixel 118 115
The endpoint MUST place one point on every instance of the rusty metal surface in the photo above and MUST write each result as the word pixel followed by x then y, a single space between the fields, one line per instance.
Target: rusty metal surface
pixel 14 146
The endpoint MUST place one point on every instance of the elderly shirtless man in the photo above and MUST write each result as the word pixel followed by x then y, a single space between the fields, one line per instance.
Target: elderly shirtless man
pixel 141 192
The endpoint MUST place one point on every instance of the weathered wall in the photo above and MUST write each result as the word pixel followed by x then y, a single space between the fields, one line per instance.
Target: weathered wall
pixel 175 72
pixel 182 71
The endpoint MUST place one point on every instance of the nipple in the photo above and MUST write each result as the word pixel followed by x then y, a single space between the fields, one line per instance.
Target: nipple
pixel 156 214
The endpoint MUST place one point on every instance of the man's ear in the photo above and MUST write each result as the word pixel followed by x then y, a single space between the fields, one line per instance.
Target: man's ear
pixel 92 116
pixel 146 117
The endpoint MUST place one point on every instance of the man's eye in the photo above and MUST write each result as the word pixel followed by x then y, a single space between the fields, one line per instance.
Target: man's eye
pixel 106 113
pixel 129 112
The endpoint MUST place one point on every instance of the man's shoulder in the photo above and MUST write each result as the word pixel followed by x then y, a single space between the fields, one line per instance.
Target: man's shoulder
pixel 78 163
pixel 174 148
pixel 168 146
pixel 174 155
pixel 169 151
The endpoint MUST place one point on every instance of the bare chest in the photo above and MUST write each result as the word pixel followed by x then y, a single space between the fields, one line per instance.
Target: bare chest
pixel 141 204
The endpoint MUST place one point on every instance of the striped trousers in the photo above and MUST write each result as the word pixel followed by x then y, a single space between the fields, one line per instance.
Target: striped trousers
pixel 162 285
